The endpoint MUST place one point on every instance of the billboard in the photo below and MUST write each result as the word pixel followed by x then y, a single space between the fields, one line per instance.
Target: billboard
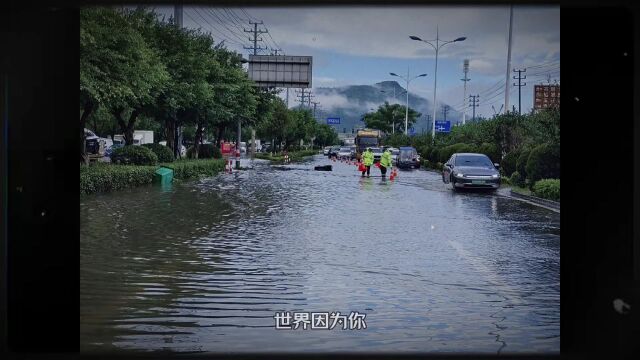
pixel 282 71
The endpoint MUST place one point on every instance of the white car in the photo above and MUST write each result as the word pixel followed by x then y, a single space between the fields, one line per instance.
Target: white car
pixel 344 153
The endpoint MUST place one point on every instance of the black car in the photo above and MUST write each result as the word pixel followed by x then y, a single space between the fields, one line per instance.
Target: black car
pixel 93 144
pixel 470 170
pixel 408 158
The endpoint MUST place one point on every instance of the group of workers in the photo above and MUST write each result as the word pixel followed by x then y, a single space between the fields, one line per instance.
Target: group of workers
pixel 368 159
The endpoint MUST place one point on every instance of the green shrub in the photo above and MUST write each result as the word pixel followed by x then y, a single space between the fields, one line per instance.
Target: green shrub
pixel 163 153
pixel 134 155
pixel 543 163
pixel 206 151
pixel 508 163
pixel 491 151
pixel 445 153
pixel 521 163
pixel 106 177
pixel 185 169
pixel 516 179
pixel 547 189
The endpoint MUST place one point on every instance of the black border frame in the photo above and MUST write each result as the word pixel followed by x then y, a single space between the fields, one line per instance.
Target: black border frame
pixel 599 261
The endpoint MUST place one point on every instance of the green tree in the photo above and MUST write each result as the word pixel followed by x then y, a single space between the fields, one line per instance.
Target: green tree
pixel 118 69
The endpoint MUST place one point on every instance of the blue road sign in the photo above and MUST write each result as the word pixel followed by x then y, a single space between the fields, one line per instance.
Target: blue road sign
pixel 333 121
pixel 443 126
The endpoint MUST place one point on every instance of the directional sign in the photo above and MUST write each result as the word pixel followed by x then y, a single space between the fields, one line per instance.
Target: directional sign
pixel 333 121
pixel 443 126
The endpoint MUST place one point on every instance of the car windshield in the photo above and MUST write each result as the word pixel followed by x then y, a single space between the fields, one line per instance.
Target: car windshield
pixel 395 152
pixel 376 150
pixel 368 141
pixel 345 149
pixel 473 160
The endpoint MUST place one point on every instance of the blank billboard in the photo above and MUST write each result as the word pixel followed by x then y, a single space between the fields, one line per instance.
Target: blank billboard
pixel 281 71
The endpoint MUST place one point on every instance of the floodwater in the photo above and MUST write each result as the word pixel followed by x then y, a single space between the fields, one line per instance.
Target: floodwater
pixel 204 265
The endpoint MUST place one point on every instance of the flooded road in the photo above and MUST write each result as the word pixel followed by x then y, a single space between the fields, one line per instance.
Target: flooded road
pixel 204 265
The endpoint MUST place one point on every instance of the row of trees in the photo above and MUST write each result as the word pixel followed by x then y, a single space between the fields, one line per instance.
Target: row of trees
pixel 528 144
pixel 388 116
pixel 140 72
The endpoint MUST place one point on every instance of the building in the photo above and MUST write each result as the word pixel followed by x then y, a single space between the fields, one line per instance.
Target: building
pixel 546 96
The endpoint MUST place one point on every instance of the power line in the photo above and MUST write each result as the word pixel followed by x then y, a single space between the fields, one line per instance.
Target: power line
pixel 237 36
pixel 255 39
pixel 220 33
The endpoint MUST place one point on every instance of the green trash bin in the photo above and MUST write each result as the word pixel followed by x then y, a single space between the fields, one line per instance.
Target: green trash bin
pixel 163 175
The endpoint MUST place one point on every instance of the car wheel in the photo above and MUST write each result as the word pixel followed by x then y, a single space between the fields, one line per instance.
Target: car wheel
pixel 453 184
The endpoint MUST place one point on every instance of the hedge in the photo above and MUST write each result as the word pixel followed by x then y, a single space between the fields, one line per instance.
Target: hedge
pixel 104 177
pixel 445 153
pixel 508 163
pixel 543 163
pixel 134 155
pixel 491 151
pixel 521 163
pixel 516 179
pixel 163 153
pixel 206 151
pixel 186 169
pixel 547 189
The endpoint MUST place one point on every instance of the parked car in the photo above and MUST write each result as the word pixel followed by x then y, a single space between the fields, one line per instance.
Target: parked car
pixel 116 144
pixel 93 144
pixel 344 153
pixel 326 150
pixel 471 170
pixel 408 158
pixel 377 154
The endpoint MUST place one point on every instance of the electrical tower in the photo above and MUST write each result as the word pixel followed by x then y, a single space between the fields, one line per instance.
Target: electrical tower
pixel 445 110
pixel 315 103
pixel 255 39
pixel 465 69
pixel 275 51
pixel 520 85
pixel 474 102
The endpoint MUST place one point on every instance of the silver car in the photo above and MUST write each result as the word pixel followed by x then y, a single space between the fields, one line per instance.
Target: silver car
pixel 471 170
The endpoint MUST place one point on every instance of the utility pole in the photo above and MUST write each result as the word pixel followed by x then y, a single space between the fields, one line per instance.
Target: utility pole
pixel 520 85
pixel 465 69
pixel 475 100
pixel 302 97
pixel 508 78
pixel 309 96
pixel 315 103
pixel 445 110
pixel 255 39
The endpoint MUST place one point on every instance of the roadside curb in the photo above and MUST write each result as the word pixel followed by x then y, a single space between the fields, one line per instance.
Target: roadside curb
pixel 543 202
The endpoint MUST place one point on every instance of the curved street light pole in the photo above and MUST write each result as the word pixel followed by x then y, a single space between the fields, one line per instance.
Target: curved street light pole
pixel 437 47
pixel 406 115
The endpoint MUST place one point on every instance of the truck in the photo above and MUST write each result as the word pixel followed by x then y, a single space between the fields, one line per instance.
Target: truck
pixel 140 137
pixel 367 138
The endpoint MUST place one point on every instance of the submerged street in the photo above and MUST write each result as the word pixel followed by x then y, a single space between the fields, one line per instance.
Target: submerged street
pixel 204 265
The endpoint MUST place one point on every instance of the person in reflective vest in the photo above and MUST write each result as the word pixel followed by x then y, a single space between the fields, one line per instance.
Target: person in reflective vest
pixel 385 162
pixel 367 161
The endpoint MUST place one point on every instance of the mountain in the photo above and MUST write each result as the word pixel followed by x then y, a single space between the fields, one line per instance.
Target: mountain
pixel 350 103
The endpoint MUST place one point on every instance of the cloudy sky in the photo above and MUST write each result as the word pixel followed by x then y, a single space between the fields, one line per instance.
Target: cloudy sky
pixel 361 45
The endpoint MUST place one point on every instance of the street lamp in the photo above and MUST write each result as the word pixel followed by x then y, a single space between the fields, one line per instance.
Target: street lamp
pixel 406 115
pixel 437 47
